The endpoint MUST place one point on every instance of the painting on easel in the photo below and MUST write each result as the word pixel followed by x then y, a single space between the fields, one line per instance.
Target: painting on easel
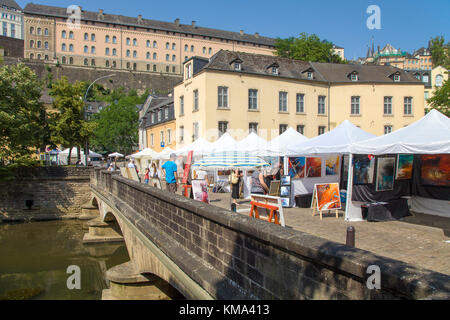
pixel 326 197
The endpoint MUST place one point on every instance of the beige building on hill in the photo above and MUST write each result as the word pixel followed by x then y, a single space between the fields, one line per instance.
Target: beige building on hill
pixel 109 41
pixel 238 93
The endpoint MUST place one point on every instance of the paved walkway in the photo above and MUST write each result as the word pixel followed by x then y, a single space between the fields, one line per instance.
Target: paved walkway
pixel 425 246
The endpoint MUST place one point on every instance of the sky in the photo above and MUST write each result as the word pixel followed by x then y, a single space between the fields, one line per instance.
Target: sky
pixel 405 24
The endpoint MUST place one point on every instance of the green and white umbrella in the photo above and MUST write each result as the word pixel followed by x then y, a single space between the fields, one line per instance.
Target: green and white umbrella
pixel 231 160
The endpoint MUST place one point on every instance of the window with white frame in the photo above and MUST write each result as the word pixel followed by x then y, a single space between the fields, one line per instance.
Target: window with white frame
pixel 223 97
pixel 169 136
pixel 407 105
pixel 355 108
pixel 283 128
pixel 321 107
pixel 253 127
pixel 195 135
pixel 300 103
pixel 322 130
pixel 387 110
pixel 223 128
pixel 301 129
pixel 166 113
pixel 387 129
pixel 283 101
pixel 253 99
pixel 181 134
pixel 195 100
pixel 182 106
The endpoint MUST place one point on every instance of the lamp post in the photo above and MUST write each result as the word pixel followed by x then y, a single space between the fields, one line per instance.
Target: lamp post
pixel 86 147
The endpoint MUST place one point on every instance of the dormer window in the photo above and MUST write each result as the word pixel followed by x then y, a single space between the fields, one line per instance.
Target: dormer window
pixel 397 78
pixel 310 75
pixel 237 66
pixel 275 71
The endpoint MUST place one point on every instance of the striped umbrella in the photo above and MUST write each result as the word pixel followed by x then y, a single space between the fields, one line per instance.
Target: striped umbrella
pixel 231 160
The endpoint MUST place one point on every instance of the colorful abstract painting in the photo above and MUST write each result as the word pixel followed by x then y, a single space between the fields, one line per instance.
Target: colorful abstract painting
pixel 328 196
pixel 297 167
pixel 405 166
pixel 333 165
pixel 314 167
pixel 363 170
pixel 385 174
pixel 436 170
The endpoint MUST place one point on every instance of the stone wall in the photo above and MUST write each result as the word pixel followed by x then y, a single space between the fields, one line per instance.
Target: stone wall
pixel 12 47
pixel 140 81
pixel 236 257
pixel 56 192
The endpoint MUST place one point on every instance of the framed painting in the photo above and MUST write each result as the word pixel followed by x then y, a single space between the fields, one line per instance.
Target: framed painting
pixel 404 166
pixel 385 174
pixel 436 170
pixel 200 190
pixel 332 165
pixel 286 180
pixel 328 196
pixel 314 167
pixel 363 170
pixel 297 167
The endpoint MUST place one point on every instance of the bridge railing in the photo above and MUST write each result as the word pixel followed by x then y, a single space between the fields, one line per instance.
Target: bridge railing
pixel 263 260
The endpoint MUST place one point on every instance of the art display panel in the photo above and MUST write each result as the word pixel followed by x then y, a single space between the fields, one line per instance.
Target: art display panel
pixel 405 164
pixel 436 170
pixel 328 196
pixel 314 167
pixel 363 170
pixel 385 174
pixel 200 190
pixel 297 167
pixel 332 165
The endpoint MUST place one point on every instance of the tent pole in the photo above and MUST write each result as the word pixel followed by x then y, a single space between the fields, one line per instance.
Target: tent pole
pixel 349 186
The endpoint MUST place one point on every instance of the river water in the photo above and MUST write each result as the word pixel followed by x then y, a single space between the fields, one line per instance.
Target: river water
pixel 34 258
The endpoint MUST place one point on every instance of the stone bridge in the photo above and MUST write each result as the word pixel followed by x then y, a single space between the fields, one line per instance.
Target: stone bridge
pixel 206 252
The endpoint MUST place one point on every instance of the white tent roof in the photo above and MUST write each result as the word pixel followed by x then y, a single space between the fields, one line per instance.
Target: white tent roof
pixel 116 155
pixel 225 143
pixel 253 144
pixel 282 143
pixel 146 153
pixel 200 147
pixel 165 154
pixel 338 140
pixel 429 135
pixel 92 154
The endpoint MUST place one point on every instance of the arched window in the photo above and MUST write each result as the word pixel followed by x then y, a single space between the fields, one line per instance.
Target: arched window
pixel 39 57
pixel 192 48
pixel 107 51
pixel 31 30
pixel 39 31
pixel 114 39
pixel 439 80
pixel 186 48
pixel 107 63
pixel 93 37
pixel 155 56
pixel 174 46
pixel 148 55
pixel 63 60
pixel 71 47
pixel 46 45
pixel 114 64
pixel 210 50
pixel 204 50
pixel 86 62
pixel 45 32
pixel 155 44
pixel 71 35
pixel 128 53
pixel 128 65
pixel 63 47
pixel 134 66
pixel 39 44
pixel 93 62
pixel 167 57
pixel 31 56
pixel 135 42
pixel 107 39
pixel 167 45
pixel 174 57
pixel 86 37
pixel 70 60
pixel 31 43
pixel 135 54
pixel 86 49
pixel 114 52
pixel 93 50
pixel 128 41
pixel 148 43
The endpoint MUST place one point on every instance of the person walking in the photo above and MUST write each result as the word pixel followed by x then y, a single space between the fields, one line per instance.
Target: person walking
pixel 235 181
pixel 147 176
pixel 170 170
pixel 258 184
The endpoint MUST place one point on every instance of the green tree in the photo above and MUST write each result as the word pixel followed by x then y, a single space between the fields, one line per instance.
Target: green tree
pixel 441 99
pixel 307 48
pixel 117 125
pixel 440 52
pixel 69 127
pixel 22 115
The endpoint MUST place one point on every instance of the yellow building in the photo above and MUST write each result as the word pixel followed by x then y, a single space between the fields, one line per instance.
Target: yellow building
pixel 159 125
pixel 107 41
pixel 238 93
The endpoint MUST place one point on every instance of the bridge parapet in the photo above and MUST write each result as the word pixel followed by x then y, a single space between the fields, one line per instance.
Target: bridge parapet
pixel 235 257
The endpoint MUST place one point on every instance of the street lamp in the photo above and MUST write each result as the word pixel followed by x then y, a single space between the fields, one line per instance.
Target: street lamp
pixel 86 148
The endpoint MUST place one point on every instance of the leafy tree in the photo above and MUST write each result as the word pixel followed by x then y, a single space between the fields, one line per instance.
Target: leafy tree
pixel 441 99
pixel 117 125
pixel 69 127
pixel 22 115
pixel 307 48
pixel 440 52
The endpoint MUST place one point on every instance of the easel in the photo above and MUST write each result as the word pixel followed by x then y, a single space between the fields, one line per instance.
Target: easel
pixel 315 207
pixel 273 204
pixel 187 171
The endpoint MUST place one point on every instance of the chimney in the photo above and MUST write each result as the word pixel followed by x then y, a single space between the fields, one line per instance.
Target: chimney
pixel 140 18
pixel 177 22
pixel 194 24
pixel 100 13
pixel 256 35
pixel 241 32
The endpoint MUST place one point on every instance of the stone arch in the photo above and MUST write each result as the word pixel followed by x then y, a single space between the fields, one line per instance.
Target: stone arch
pixel 114 223
pixel 94 202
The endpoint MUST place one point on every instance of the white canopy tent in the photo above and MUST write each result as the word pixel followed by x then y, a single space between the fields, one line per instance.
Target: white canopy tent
pixel 64 155
pixel 282 143
pixel 429 135
pixel 252 144
pixel 146 153
pixel 165 154
pixel 226 143
pixel 200 147
pixel 116 155
pixel 336 142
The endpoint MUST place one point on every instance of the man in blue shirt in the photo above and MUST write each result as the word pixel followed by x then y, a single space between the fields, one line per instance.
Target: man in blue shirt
pixel 170 170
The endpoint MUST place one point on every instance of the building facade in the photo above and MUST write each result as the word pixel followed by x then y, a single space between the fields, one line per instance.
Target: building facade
pixel 11 19
pixel 101 40
pixel 241 93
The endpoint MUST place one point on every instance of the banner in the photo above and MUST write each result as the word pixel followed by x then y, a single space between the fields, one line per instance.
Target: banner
pixel 187 168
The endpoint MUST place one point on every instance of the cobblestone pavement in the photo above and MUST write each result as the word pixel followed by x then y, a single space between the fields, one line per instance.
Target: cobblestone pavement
pixel 417 244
